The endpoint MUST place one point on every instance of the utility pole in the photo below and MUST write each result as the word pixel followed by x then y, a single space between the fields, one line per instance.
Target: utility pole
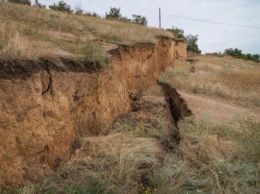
pixel 160 18
pixel 37 3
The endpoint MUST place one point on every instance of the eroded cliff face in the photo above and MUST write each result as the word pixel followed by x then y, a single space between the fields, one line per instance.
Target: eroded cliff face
pixel 141 64
pixel 41 116
pixel 43 109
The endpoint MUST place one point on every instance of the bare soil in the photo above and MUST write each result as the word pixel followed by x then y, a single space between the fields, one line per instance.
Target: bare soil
pixel 218 110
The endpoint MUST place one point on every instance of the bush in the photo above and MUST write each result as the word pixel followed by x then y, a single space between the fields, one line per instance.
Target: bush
pixel 177 32
pixel 25 2
pixel 62 6
pixel 95 53
pixel 192 43
pixel 114 13
pixel 138 19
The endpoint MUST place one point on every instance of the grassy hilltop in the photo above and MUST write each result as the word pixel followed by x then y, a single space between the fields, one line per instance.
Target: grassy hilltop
pixel 34 33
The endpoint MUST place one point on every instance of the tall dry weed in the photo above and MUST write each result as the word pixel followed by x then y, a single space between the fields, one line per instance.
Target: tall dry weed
pixel 18 47
pixel 121 159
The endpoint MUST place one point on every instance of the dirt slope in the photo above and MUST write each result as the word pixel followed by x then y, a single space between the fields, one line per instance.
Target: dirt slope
pixel 217 110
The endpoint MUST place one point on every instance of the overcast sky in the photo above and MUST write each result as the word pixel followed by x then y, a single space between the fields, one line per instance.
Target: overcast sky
pixel 212 37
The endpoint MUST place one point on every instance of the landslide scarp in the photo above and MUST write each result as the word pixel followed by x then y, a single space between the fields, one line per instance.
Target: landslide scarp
pixel 50 95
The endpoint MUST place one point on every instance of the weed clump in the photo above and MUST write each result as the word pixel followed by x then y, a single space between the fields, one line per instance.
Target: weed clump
pixel 95 53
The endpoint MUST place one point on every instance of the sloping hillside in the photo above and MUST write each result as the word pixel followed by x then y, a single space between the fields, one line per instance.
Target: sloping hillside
pixel 223 77
pixel 34 33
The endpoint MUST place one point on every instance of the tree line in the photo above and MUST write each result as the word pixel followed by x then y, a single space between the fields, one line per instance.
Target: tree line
pixel 62 6
pixel 237 53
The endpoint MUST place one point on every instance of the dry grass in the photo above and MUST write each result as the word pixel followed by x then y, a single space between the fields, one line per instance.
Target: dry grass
pixel 113 164
pixel 124 163
pixel 206 149
pixel 131 157
pixel 154 91
pixel 222 77
pixel 21 48
pixel 26 32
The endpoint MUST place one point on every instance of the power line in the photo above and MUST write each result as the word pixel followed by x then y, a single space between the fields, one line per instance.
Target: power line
pixel 199 20
pixel 50 1
pixel 152 17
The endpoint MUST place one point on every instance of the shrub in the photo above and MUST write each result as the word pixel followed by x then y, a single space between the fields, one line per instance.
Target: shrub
pixel 62 6
pixel 192 43
pixel 138 19
pixel 95 53
pixel 25 2
pixel 177 32
pixel 114 13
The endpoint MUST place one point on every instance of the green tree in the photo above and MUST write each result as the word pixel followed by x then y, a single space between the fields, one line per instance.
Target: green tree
pixel 229 51
pixel 256 58
pixel 114 13
pixel 177 32
pixel 237 53
pixel 138 19
pixel 24 2
pixel 248 56
pixel 192 44
pixel 62 6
